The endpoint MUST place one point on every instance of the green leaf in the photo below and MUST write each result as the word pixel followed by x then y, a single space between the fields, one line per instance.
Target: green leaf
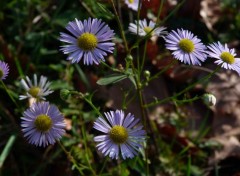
pixel 110 79
pixel 103 9
pixel 7 149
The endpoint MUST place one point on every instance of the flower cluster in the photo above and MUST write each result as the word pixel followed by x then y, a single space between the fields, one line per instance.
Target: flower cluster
pixel 91 41
pixel 42 123
pixel 189 49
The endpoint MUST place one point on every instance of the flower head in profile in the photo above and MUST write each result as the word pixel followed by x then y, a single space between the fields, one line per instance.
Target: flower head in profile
pixel 42 124
pixel 186 47
pixel 209 99
pixel 122 135
pixel 90 40
pixel 132 4
pixel 35 89
pixel 145 28
pixel 224 56
pixel 4 70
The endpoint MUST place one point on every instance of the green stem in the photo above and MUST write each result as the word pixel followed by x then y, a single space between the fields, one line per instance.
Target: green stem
pixel 141 104
pixel 93 106
pixel 120 26
pixel 88 100
pixel 184 90
pixel 163 70
pixel 71 159
pixel 160 10
pixel 4 86
pixel 138 55
pixel 144 56
pixel 19 68
pixel 187 100
pixel 109 67
pixel 7 149
pixel 173 11
pixel 86 148
pixel 103 166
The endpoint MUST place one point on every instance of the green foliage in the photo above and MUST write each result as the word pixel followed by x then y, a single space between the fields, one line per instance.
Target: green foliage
pixel 29 42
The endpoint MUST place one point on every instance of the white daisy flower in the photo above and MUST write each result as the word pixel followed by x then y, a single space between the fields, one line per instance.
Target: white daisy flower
pixel 34 89
pixel 132 4
pixel 145 28
pixel 225 56
pixel 186 47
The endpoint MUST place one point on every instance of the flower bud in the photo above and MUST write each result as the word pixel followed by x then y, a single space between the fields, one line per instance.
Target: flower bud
pixel 209 99
pixel 129 57
pixel 64 93
pixel 147 73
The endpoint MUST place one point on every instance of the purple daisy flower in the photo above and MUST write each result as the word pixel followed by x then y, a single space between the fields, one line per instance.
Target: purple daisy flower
pixel 121 135
pixel 186 47
pixel 34 89
pixel 225 56
pixel 42 124
pixel 4 70
pixel 144 28
pixel 90 40
pixel 132 4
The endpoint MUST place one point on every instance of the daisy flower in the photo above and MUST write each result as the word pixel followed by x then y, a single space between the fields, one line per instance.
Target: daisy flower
pixel 225 56
pixel 4 70
pixel 144 28
pixel 42 124
pixel 34 89
pixel 121 135
pixel 90 40
pixel 186 47
pixel 132 4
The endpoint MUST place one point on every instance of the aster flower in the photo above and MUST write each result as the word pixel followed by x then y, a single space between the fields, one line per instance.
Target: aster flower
pixel 90 40
pixel 225 56
pixel 121 135
pixel 186 47
pixel 4 70
pixel 42 124
pixel 34 89
pixel 132 4
pixel 144 28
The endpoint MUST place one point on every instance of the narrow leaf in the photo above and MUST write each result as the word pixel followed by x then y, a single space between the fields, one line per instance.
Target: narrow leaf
pixel 111 79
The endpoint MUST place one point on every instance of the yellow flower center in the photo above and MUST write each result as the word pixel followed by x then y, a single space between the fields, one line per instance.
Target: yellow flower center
pixel 34 91
pixel 1 73
pixel 131 1
pixel 43 123
pixel 87 41
pixel 186 45
pixel 118 134
pixel 148 29
pixel 227 57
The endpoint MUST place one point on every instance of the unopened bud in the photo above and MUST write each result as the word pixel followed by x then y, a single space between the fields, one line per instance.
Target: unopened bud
pixel 64 93
pixel 129 57
pixel 147 73
pixel 209 99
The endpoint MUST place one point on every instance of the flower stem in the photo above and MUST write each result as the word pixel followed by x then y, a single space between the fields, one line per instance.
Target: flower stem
pixel 144 56
pixel 71 159
pixel 4 86
pixel 120 26
pixel 184 90
pixel 86 148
